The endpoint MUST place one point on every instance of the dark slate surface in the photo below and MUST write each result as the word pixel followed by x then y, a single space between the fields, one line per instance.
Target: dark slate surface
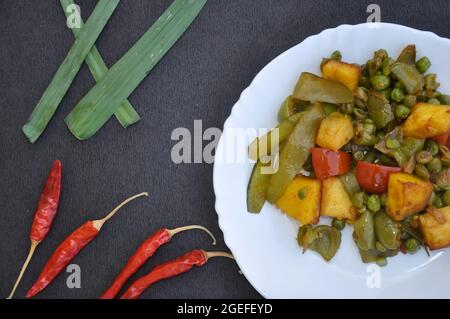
pixel 200 78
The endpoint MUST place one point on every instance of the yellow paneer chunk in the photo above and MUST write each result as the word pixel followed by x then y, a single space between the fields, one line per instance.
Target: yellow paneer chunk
pixel 301 200
pixel 437 235
pixel 427 120
pixel 407 195
pixel 336 202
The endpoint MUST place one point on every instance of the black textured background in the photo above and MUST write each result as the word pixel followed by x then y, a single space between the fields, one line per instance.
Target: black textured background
pixel 200 78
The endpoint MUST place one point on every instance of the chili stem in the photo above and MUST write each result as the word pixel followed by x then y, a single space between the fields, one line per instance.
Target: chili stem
pixel 99 223
pixel 33 246
pixel 173 232
pixel 209 255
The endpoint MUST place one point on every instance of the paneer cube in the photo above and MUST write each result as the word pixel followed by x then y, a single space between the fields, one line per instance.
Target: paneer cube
pixel 437 234
pixel 427 120
pixel 407 195
pixel 301 200
pixel 336 202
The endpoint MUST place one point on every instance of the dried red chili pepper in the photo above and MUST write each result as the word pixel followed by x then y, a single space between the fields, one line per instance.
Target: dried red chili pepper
pixel 44 215
pixel 171 269
pixel 70 247
pixel 146 250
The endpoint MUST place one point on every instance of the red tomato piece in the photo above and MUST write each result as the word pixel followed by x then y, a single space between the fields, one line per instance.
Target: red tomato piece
pixel 328 163
pixel 374 178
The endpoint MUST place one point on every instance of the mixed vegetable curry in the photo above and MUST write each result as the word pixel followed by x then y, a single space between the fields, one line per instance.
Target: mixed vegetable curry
pixel 367 146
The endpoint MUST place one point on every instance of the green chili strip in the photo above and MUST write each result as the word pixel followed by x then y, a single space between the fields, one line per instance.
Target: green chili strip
pixel 125 114
pixel 67 71
pixel 94 110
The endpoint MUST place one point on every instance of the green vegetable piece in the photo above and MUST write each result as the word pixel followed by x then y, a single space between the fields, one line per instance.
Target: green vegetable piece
pixel 432 147
pixel 383 199
pixel 424 157
pixel 324 240
pixel 288 108
pixel 410 101
pixel 392 143
pixel 409 76
pixel 446 198
pixel 256 190
pixel 329 108
pixel 411 146
pixel 338 224
pixel 434 101
pixel 380 82
pixel 365 232
pixel 380 110
pixel 58 87
pixel 295 152
pixel 125 114
pixel 408 55
pixel 350 183
pixel 269 142
pixel 444 99
pixel 388 231
pixel 398 95
pixel 103 100
pixel 373 203
pixel 336 55
pixel 382 262
pixel 359 199
pixel 412 245
pixel 431 83
pixel 422 172
pixel 346 108
pixel 434 166
pixel 402 112
pixel 310 87
pixel 438 202
pixel 423 64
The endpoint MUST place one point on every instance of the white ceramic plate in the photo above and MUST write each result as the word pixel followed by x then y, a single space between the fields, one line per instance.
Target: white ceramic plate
pixel 265 245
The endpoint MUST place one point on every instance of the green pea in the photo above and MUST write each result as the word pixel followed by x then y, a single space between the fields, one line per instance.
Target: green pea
pixel 380 82
pixel 392 143
pixel 370 128
pixel 338 224
pixel 424 157
pixel 373 203
pixel 412 245
pixel 359 199
pixel 336 55
pixel 434 101
pixel 302 194
pixel 410 100
pixel 432 147
pixel 423 64
pixel 434 166
pixel 402 111
pixel 382 262
pixel 398 95
pixel 359 155
pixel 438 202
pixel 446 198
pixel 421 171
